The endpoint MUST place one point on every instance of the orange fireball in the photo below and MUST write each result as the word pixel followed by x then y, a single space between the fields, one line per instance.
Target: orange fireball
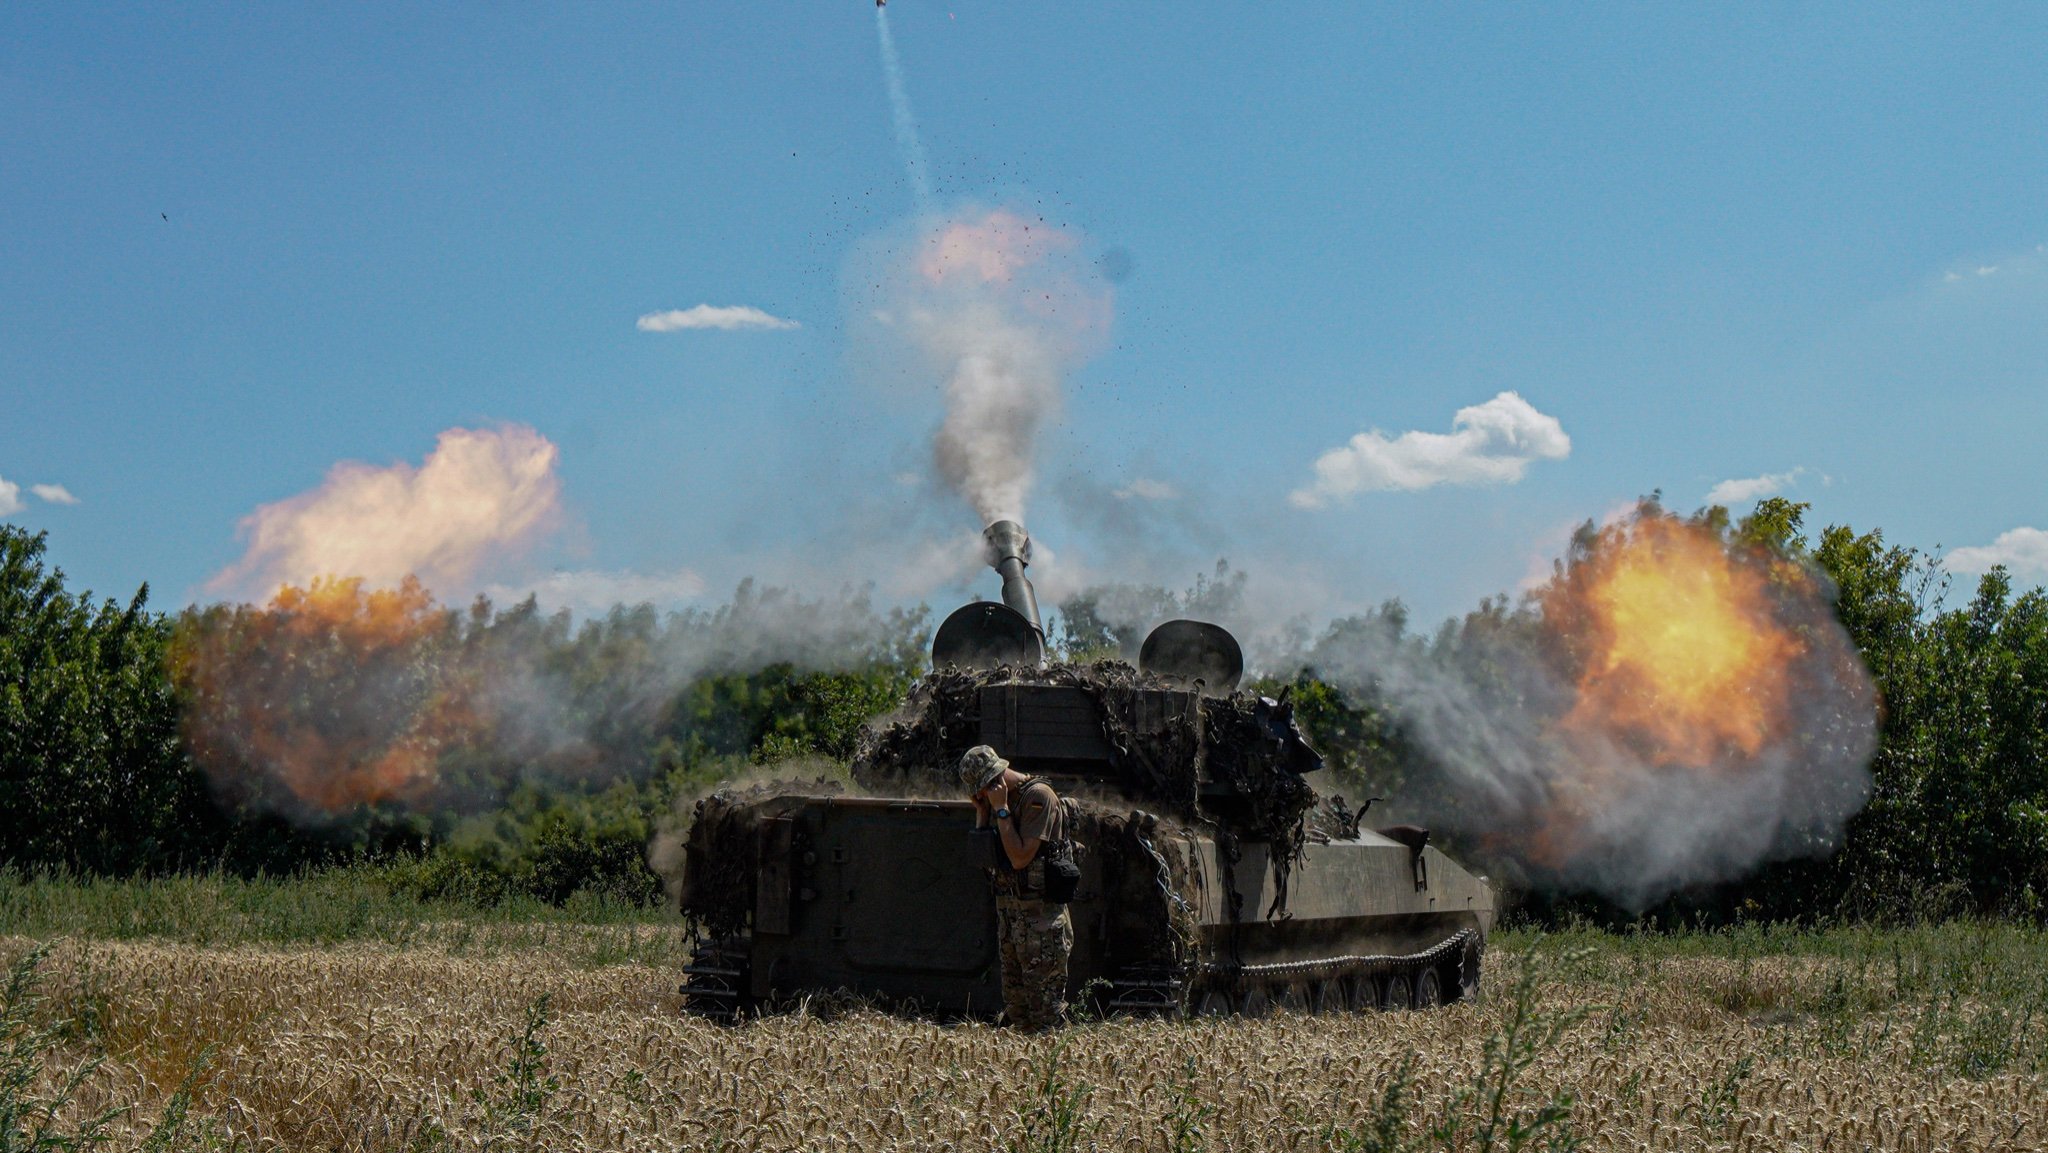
pixel 341 697
pixel 1684 659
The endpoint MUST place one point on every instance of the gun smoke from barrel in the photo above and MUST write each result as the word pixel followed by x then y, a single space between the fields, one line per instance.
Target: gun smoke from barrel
pixel 990 308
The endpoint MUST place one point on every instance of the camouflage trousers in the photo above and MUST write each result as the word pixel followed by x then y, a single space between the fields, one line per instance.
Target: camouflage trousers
pixel 1035 939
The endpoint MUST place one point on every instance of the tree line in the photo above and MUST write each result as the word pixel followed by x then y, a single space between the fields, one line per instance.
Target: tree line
pixel 611 724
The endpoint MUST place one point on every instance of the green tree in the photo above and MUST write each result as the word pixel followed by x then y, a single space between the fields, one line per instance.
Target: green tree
pixel 1111 620
pixel 92 774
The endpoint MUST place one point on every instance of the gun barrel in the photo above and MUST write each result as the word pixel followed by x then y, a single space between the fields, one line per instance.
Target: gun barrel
pixel 1009 553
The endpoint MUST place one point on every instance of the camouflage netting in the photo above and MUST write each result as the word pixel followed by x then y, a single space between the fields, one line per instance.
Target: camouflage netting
pixel 1333 820
pixel 921 744
pixel 721 857
pixel 1148 882
pixel 1242 744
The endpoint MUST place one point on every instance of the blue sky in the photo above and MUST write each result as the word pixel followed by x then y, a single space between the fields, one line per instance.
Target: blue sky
pixel 239 246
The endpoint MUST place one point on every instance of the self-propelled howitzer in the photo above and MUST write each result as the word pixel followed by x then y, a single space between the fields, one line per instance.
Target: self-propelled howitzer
pixel 1214 879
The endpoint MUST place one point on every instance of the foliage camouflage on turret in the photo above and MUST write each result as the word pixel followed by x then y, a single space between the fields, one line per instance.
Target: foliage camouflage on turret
pixel 1245 743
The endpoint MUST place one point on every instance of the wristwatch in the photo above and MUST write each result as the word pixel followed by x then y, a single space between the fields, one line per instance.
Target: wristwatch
pixel 1003 814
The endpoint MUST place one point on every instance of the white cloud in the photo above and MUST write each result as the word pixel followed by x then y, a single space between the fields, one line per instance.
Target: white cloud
pixel 1145 488
pixel 54 493
pixel 1491 443
pixel 710 316
pixel 2023 551
pixel 10 498
pixel 594 591
pixel 1745 489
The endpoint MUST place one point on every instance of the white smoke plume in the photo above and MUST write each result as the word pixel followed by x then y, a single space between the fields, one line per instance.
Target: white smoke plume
pixel 1001 391
pixel 479 494
pixel 994 308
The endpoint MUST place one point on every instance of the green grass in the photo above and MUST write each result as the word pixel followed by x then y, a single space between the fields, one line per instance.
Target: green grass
pixel 1966 997
pixel 330 907
pixel 1997 961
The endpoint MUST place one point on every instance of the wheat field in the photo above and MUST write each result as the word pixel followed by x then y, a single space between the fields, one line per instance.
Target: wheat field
pixel 367 1046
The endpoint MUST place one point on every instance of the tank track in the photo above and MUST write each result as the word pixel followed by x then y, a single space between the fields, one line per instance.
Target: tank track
pixel 716 980
pixel 717 977
pixel 1320 985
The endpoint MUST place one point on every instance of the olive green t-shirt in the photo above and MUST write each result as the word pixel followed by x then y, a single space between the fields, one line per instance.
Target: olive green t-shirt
pixel 1038 814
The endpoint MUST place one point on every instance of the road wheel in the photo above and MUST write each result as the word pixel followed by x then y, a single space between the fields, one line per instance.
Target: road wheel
pixel 1470 961
pixel 1256 1002
pixel 1361 993
pixel 1429 989
pixel 1330 996
pixel 1215 1003
pixel 1399 993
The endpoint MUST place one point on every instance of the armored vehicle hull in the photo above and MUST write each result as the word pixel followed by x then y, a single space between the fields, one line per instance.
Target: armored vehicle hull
pixel 888 899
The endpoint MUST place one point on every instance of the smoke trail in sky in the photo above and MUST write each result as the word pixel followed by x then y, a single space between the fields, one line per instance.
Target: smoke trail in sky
pixel 899 108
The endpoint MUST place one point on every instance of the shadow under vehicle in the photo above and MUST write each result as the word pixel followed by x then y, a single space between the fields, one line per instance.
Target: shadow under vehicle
pixel 1213 878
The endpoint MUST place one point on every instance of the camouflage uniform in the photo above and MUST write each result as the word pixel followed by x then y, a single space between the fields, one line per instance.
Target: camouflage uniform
pixel 1035 938
pixel 1034 950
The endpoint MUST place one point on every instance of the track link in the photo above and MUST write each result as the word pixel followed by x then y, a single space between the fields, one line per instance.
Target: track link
pixel 1347 983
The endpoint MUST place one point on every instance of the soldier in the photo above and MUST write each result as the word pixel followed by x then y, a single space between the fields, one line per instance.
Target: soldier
pixel 1035 936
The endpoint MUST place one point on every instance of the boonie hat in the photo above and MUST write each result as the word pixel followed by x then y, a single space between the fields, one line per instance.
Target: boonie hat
pixel 979 768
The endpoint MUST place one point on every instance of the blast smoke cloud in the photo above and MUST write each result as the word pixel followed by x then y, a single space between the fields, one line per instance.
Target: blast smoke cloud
pixel 479 493
pixel 1749 489
pixel 994 308
pixel 1001 391
pixel 2023 552
pixel 1490 443
pixel 711 316
pixel 1671 709
pixel 336 696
